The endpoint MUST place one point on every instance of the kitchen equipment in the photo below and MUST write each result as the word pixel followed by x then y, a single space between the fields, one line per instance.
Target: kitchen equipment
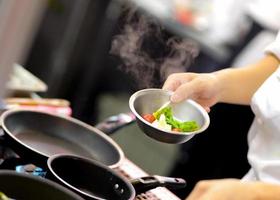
pixel 94 180
pixel 149 100
pixel 37 102
pixel 127 169
pixel 28 187
pixel 21 80
pixel 115 122
pixel 35 136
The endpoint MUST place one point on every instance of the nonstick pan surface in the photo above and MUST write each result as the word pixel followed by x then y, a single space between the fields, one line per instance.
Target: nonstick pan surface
pixel 36 136
pixel 28 187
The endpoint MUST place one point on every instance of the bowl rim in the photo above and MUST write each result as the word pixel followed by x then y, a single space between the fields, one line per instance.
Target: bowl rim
pixel 192 102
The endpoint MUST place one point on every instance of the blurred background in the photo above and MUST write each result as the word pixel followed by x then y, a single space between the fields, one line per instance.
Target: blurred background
pixel 95 53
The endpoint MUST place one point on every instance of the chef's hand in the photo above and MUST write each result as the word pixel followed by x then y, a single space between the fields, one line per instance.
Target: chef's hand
pixel 203 88
pixel 234 189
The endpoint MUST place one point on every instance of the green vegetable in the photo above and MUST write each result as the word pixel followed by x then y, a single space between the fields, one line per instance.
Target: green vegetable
pixel 187 126
pixel 167 111
pixel 3 196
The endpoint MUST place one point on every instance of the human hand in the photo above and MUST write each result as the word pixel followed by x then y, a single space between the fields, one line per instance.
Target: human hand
pixel 202 88
pixel 234 189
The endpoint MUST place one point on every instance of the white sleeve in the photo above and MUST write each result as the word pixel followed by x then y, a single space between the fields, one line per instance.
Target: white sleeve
pixel 274 47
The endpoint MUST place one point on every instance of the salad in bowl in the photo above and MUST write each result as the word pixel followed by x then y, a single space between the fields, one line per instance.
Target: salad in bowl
pixel 164 121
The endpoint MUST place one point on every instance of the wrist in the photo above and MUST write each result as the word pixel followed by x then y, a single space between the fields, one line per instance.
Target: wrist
pixel 221 84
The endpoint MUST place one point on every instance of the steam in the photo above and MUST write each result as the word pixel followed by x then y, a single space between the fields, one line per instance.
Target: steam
pixel 149 53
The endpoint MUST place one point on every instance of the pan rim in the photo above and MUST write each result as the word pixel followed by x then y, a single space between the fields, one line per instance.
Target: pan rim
pixel 7 113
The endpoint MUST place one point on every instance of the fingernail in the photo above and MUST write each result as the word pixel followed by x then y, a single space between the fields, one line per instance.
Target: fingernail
pixel 175 98
pixel 167 89
pixel 170 92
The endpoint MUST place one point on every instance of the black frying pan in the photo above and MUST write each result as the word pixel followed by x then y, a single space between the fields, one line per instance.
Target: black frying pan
pixel 35 136
pixel 28 187
pixel 93 180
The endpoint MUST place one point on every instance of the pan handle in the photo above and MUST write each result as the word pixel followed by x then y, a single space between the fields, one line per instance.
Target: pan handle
pixel 144 184
pixel 114 123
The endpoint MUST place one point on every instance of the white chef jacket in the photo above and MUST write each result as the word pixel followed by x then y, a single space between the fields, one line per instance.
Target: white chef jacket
pixel 264 134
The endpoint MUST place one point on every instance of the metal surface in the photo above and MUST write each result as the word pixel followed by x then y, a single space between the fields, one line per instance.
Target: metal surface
pixel 98 182
pixel 127 169
pixel 35 136
pixel 115 122
pixel 101 182
pixel 131 171
pixel 149 100
pixel 29 187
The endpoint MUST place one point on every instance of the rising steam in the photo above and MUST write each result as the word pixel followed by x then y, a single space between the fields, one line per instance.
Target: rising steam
pixel 149 53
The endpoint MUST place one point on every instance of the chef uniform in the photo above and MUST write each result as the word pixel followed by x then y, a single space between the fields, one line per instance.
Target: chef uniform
pixel 264 134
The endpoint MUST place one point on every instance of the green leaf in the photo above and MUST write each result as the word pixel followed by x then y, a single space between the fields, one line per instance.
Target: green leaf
pixel 186 126
pixel 167 111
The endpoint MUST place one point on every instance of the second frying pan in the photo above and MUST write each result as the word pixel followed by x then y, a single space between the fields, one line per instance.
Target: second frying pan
pixel 93 180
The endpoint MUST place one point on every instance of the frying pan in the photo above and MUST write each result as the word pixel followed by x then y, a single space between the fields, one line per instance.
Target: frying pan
pixel 28 187
pixel 93 180
pixel 35 136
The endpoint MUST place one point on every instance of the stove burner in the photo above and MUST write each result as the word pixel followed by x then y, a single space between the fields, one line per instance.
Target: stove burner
pixel 31 169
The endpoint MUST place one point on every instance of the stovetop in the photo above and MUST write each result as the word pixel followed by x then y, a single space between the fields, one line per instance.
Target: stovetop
pixel 9 160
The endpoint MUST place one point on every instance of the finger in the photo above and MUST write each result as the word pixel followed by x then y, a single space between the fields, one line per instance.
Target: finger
pixel 184 92
pixel 205 103
pixel 175 80
pixel 171 85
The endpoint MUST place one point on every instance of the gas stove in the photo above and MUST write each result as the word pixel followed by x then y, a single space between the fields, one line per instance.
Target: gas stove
pixel 9 160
